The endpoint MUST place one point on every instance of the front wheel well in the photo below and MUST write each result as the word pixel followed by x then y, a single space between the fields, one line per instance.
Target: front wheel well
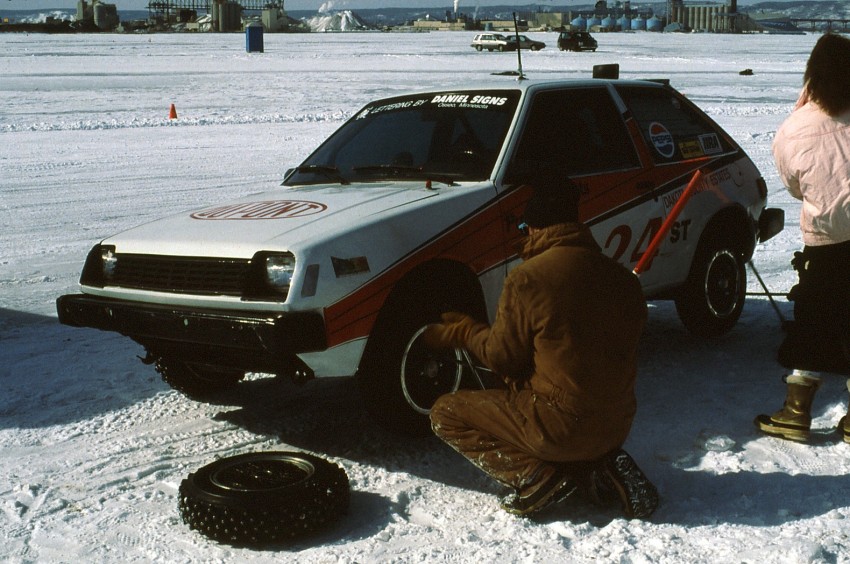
pixel 418 299
pixel 439 278
pixel 735 227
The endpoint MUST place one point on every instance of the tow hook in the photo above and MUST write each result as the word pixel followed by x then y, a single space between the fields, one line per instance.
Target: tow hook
pixel 297 371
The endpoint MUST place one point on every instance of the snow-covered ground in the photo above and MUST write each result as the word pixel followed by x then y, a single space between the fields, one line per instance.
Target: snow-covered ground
pixel 93 445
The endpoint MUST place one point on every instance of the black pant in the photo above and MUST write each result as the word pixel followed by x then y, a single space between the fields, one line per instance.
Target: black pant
pixel 819 337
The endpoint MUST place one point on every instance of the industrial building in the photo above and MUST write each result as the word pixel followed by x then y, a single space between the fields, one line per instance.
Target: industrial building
pixel 679 17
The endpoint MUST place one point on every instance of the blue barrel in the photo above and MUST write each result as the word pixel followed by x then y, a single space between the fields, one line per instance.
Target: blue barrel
pixel 654 24
pixel 254 38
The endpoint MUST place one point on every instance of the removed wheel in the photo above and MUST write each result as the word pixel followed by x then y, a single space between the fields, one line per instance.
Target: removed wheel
pixel 264 498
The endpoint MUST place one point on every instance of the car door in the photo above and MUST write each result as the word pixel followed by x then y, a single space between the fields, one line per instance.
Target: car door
pixel 584 132
pixel 679 140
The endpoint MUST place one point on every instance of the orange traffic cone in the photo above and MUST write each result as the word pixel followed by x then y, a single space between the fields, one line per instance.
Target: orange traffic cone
pixel 172 113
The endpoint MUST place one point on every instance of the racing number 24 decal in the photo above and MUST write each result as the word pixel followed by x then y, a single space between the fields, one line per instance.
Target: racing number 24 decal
pixel 620 238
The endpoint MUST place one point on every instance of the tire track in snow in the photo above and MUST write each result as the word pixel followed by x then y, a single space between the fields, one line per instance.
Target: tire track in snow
pixel 134 123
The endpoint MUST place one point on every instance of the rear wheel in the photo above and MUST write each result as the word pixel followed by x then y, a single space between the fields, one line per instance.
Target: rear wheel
pixel 712 299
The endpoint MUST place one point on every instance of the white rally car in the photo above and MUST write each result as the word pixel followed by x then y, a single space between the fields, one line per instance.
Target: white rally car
pixel 411 209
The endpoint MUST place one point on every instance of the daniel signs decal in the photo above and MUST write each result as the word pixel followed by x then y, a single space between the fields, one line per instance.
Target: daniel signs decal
pixel 274 209
pixel 479 101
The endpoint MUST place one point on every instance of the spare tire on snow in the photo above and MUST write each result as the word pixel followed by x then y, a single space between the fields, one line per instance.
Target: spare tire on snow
pixel 264 497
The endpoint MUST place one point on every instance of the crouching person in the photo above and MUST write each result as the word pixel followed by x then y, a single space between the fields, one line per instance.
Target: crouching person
pixel 565 340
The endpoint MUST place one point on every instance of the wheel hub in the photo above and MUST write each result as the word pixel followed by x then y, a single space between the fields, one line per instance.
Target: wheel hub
pixel 259 475
pixel 721 284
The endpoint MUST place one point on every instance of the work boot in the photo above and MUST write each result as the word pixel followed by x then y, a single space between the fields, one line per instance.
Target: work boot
pixel 794 420
pixel 844 423
pixel 844 427
pixel 615 478
pixel 552 485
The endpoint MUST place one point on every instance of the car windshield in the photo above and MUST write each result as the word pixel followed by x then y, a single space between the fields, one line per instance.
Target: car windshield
pixel 443 136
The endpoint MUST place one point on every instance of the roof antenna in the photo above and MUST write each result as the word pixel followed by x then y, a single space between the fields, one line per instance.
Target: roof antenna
pixel 520 76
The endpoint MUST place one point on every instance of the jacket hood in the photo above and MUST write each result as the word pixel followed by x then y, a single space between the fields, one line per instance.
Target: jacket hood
pixel 559 235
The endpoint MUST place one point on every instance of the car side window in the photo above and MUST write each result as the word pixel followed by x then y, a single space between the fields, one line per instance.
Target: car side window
pixel 579 129
pixel 672 128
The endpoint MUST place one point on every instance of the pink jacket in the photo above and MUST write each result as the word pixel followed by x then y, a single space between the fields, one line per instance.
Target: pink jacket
pixel 812 154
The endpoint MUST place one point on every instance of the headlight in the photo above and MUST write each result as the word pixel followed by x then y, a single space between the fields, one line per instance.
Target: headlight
pixel 279 271
pixel 100 266
pixel 109 262
pixel 270 278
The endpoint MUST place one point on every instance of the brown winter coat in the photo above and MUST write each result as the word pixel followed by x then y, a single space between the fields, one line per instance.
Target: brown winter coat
pixel 565 339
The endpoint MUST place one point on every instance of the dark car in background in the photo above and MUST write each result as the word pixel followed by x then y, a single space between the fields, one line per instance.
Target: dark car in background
pixel 524 42
pixel 576 41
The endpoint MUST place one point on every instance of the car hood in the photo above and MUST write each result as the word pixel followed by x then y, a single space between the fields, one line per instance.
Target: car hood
pixel 276 220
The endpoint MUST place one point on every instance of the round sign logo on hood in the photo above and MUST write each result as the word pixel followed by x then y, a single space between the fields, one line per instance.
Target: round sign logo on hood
pixel 274 209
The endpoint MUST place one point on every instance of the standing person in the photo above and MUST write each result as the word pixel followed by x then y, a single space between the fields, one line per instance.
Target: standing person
pixel 812 153
pixel 565 340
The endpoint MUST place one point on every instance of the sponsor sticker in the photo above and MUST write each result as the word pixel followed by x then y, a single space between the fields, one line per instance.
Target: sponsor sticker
pixel 274 209
pixel 691 149
pixel 661 140
pixel 480 101
pixel 710 143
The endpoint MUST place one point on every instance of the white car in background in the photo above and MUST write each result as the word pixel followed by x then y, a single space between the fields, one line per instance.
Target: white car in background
pixel 410 209
pixel 491 42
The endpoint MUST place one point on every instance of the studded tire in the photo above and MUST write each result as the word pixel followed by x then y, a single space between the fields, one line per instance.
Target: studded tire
pixel 265 498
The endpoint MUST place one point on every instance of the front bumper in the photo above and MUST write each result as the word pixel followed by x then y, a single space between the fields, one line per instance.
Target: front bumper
pixel 252 341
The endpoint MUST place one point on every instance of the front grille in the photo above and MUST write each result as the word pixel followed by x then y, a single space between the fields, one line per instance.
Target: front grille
pixel 182 275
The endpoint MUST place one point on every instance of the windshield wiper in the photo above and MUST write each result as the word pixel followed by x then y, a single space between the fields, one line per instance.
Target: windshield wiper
pixel 327 171
pixel 403 171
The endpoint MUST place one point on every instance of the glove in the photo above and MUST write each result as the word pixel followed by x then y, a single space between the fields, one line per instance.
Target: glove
pixel 451 333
